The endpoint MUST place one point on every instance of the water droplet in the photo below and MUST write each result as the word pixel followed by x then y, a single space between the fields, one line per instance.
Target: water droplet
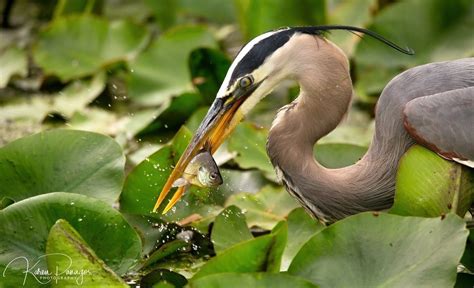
pixel 79 220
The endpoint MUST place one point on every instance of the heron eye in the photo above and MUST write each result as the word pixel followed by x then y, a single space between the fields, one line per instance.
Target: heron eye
pixel 245 82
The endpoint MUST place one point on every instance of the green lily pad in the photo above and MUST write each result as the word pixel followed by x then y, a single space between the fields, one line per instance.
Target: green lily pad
pixel 62 160
pixel 249 142
pixel 280 233
pixel 248 256
pixel 255 255
pixel 439 40
pixel 162 71
pixel 229 229
pixel 25 227
pixel 371 250
pixel 77 46
pixel 69 256
pixel 429 186
pixel 301 227
pixel 265 208
pixel 254 280
pixel 13 62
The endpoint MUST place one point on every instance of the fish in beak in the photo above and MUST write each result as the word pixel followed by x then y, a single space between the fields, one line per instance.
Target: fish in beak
pixel 221 119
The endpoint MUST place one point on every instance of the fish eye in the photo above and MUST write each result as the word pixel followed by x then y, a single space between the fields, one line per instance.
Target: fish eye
pixel 213 176
pixel 245 81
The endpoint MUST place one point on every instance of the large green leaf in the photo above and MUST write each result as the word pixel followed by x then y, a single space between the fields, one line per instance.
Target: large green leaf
pixel 259 254
pixel 254 280
pixel 259 16
pixel 383 250
pixel 280 232
pixel 62 160
pixel 162 71
pixel 229 229
pixel 74 262
pixel 25 226
pixel 301 227
pixel 249 256
pixel 13 62
pixel 77 46
pixel 438 31
pixel 429 186
pixel 265 208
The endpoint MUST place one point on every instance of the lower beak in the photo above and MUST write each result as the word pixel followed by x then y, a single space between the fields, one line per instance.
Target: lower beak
pixel 219 122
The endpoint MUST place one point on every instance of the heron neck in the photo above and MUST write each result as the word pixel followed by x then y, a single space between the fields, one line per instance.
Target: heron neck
pixel 332 194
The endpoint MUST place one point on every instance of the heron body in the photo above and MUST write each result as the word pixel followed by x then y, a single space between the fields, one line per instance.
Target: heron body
pixel 431 104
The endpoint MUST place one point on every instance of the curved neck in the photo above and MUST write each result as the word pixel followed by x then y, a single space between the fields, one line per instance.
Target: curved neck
pixel 331 194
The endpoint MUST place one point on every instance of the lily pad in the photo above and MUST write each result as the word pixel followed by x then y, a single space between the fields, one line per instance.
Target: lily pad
pixel 265 208
pixel 25 227
pixel 229 229
pixel 162 71
pixel 74 262
pixel 254 280
pixel 248 256
pixel 13 62
pixel 80 45
pixel 301 227
pixel 280 233
pixel 366 243
pixel 429 186
pixel 62 160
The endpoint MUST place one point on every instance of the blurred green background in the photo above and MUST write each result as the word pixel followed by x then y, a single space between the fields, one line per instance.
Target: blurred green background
pixel 143 73
pixel 138 70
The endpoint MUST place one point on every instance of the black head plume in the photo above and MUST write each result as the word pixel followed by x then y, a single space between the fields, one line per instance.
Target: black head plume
pixel 319 30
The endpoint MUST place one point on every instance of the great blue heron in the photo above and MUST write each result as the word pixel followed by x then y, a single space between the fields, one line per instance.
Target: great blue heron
pixel 431 104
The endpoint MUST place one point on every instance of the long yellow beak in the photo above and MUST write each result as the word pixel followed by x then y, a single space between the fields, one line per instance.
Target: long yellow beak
pixel 219 122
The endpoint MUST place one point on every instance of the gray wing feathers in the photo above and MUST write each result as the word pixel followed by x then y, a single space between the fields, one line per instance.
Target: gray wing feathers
pixel 444 122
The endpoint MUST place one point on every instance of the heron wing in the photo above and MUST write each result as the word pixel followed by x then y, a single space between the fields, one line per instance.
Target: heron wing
pixel 444 123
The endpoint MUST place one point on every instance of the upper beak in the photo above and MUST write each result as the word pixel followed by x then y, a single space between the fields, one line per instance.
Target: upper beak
pixel 220 121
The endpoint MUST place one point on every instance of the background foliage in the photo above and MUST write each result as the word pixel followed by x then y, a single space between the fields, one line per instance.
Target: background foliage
pixel 116 89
